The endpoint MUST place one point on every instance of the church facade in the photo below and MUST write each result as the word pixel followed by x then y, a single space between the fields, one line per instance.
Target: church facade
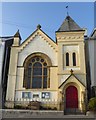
pixel 44 70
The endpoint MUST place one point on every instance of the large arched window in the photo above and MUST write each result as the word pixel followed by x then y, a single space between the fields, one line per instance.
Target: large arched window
pixel 36 73
pixel 74 59
pixel 67 59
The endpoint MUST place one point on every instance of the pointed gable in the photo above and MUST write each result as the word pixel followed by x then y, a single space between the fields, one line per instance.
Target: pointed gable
pixel 69 25
pixel 73 81
pixel 38 42
pixel 39 32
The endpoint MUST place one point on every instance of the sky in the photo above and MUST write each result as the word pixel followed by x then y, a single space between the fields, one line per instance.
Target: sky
pixel 25 16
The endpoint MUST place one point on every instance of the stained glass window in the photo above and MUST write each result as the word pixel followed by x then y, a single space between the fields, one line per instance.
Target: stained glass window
pixel 37 73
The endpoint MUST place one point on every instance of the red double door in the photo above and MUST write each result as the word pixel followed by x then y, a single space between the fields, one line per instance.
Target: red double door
pixel 71 97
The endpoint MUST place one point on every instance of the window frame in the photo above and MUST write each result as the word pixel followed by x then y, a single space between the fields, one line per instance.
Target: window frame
pixel 67 58
pixel 74 58
pixel 42 75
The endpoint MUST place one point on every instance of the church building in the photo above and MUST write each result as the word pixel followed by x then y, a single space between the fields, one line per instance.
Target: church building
pixel 43 70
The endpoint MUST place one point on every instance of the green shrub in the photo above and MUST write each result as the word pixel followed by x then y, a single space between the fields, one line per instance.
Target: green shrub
pixel 21 107
pixel 92 104
pixel 18 107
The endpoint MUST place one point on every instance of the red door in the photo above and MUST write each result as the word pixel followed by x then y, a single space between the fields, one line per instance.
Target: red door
pixel 71 97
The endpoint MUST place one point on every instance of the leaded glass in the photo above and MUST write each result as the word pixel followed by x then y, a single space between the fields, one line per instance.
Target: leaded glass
pixel 42 60
pixel 28 82
pixel 37 82
pixel 45 71
pixel 29 71
pixel 45 82
pixel 45 64
pixel 37 73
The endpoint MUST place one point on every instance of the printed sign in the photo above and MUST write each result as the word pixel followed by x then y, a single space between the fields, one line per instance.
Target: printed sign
pixel 46 95
pixel 26 94
pixel 35 95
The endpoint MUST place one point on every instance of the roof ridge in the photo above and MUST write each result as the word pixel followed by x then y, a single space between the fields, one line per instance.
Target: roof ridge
pixel 69 25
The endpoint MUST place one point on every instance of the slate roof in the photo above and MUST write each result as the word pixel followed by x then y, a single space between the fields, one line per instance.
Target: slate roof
pixel 69 25
pixel 68 78
pixel 5 38
pixel 17 34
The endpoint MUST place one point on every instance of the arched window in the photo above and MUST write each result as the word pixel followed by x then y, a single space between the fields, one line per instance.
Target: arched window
pixel 67 59
pixel 29 75
pixel 36 73
pixel 74 59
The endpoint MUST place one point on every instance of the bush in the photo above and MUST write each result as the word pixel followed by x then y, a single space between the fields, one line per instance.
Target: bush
pixel 18 107
pixel 92 104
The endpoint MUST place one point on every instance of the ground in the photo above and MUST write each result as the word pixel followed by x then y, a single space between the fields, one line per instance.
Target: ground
pixel 9 114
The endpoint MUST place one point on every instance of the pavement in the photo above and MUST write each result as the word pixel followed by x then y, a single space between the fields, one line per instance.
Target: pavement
pixel 12 114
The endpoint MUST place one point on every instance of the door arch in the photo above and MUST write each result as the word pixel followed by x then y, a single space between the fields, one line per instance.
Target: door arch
pixel 71 97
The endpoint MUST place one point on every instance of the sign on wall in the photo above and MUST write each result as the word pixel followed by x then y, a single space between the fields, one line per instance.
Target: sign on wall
pixel 26 94
pixel 46 95
pixel 36 95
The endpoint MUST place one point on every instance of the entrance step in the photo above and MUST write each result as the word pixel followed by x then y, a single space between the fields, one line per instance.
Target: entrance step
pixel 72 111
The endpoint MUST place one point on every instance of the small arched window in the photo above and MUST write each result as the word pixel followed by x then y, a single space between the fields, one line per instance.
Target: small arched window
pixel 36 73
pixel 67 59
pixel 74 59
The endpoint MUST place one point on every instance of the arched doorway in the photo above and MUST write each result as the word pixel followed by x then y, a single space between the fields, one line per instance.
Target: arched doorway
pixel 71 97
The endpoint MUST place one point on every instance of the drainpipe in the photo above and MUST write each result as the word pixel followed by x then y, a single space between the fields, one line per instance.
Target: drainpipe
pixel 2 58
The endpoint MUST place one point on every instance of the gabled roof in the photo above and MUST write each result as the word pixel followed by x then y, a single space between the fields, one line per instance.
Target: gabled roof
pixel 69 25
pixel 68 78
pixel 6 38
pixel 39 32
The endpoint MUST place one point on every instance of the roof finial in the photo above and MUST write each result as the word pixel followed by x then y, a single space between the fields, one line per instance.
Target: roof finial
pixel 71 71
pixel 38 26
pixel 67 11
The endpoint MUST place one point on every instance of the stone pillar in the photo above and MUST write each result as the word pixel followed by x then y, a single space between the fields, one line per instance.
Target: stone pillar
pixel 10 95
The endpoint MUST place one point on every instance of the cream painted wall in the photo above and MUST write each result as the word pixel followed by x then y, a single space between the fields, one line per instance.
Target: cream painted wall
pixel 92 47
pixel 53 78
pixel 71 48
pixel 63 78
pixel 11 85
pixel 53 95
pixel 16 71
pixel 71 41
pixel 42 44
pixel 38 44
pixel 94 62
pixel 81 78
pixel 19 79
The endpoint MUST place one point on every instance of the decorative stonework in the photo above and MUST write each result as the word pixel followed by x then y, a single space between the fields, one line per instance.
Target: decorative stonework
pixel 70 38
pixel 41 34
pixel 9 104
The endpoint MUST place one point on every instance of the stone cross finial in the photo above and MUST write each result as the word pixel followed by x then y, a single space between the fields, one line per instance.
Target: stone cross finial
pixel 71 71
pixel 38 26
